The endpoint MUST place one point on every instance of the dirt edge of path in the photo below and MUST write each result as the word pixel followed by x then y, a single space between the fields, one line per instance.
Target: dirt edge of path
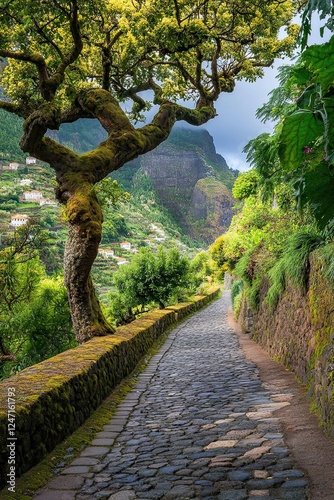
pixel 312 449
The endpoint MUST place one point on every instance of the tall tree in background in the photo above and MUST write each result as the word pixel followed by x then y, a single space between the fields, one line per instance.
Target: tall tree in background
pixel 80 58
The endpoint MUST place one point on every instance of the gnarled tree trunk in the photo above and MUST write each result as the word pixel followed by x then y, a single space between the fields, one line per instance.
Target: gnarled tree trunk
pixel 78 173
pixel 85 229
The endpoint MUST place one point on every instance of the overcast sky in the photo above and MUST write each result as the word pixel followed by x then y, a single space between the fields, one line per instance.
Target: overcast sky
pixel 236 123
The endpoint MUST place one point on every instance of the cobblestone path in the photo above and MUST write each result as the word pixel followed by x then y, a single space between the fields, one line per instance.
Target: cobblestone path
pixel 198 424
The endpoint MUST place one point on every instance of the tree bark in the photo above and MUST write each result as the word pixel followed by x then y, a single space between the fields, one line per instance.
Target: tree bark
pixel 85 229
pixel 77 175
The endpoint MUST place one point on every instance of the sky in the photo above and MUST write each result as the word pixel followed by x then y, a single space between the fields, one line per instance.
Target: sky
pixel 236 123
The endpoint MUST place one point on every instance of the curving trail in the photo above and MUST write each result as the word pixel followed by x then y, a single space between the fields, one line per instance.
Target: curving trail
pixel 200 423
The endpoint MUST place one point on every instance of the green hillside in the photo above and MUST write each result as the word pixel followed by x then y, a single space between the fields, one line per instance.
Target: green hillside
pixel 177 208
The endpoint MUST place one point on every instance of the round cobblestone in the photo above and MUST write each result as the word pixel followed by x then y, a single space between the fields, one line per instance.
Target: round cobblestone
pixel 202 425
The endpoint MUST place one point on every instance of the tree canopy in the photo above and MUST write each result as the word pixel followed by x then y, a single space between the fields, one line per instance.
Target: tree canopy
pixel 301 150
pixel 66 60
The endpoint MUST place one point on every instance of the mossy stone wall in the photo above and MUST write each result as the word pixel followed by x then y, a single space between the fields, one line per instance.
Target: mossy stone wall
pixel 55 397
pixel 299 332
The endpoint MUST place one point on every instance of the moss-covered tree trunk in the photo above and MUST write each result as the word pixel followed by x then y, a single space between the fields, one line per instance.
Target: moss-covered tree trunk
pixel 85 229
pixel 77 174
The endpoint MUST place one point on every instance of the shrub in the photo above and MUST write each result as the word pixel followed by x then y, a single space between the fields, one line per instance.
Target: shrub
pixel 151 278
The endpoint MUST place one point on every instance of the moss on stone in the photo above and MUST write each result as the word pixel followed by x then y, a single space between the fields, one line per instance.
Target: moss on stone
pixel 56 396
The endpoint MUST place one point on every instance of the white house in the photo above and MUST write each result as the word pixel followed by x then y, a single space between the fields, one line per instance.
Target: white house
pixel 107 252
pixel 30 160
pixel 121 261
pixel 32 195
pixel 13 165
pixel 25 182
pixel 18 220
pixel 48 202
pixel 126 245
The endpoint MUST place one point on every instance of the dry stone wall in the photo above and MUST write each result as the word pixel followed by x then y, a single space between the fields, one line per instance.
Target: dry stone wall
pixel 56 396
pixel 299 332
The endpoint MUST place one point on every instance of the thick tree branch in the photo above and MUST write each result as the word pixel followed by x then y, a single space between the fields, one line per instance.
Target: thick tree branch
pixel 100 104
pixel 16 109
pixel 34 58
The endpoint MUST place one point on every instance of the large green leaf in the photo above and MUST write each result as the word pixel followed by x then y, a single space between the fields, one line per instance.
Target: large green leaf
pixel 318 191
pixel 299 130
pixel 320 60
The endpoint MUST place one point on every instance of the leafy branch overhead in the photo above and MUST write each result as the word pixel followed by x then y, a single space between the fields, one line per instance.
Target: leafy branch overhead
pixel 112 60
pixel 303 140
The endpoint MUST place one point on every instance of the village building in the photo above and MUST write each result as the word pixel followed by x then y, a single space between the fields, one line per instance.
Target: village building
pixel 107 252
pixel 121 261
pixel 13 166
pixel 32 195
pixel 18 220
pixel 48 202
pixel 25 182
pixel 126 245
pixel 30 160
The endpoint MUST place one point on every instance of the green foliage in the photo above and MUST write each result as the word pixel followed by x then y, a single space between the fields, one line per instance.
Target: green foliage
pixel 110 192
pixel 324 8
pixel 316 188
pixel 34 313
pixel 39 328
pixel 303 142
pixel 217 251
pixel 243 267
pixel 236 290
pixel 151 278
pixel 327 254
pixel 201 269
pixel 293 264
pixel 299 131
pixel 277 283
pixel 9 191
pixel 10 133
pixel 145 40
pixel 246 185
pixel 236 297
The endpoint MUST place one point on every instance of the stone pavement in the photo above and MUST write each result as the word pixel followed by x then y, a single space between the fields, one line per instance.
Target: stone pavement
pixel 198 424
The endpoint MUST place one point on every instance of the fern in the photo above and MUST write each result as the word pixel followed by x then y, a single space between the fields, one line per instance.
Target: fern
pixel 242 267
pixel 293 265
pixel 296 256
pixel 277 281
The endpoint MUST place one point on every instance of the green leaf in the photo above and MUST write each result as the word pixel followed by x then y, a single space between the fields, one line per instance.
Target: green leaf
pixel 318 191
pixel 307 98
pixel 299 130
pixel 320 60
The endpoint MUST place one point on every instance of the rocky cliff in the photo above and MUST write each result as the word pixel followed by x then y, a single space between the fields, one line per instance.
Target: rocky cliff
pixel 191 180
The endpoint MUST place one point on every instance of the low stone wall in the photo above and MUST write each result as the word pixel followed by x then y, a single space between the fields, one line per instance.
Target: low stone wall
pixel 46 402
pixel 299 332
